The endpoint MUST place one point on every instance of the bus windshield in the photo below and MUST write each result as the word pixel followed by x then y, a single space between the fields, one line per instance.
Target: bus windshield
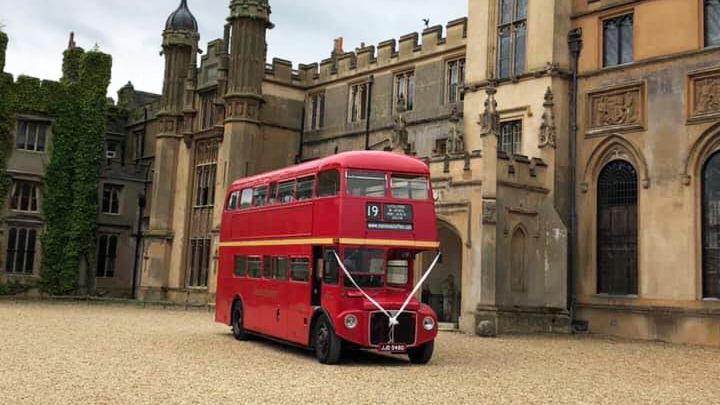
pixel 366 184
pixel 367 266
pixel 409 187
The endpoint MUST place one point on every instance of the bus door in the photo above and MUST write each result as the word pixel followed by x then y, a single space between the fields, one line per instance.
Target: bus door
pixel 330 286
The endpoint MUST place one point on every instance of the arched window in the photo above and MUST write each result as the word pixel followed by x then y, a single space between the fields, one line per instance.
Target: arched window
pixel 617 230
pixel 518 261
pixel 711 227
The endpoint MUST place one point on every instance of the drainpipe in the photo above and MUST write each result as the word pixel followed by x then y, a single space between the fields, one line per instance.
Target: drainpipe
pixel 299 156
pixel 575 46
pixel 371 80
pixel 141 212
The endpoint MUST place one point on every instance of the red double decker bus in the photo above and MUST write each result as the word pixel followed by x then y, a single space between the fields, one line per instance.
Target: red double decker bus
pixel 321 255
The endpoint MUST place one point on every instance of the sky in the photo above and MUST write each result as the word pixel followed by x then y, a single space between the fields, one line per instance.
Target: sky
pixel 131 30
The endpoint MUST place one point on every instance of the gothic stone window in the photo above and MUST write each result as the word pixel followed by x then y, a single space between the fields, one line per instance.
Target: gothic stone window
pixel 111 199
pixel 405 89
pixel 512 37
pixel 712 22
pixel 618 40
pixel 20 255
pixel 205 162
pixel 455 80
pixel 139 144
pixel 358 102
pixel 510 140
pixel 31 135
pixel 208 111
pixel 617 229
pixel 25 196
pixel 107 253
pixel 711 227
pixel 317 111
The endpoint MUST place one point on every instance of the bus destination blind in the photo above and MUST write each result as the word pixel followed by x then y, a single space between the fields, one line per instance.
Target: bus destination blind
pixel 389 217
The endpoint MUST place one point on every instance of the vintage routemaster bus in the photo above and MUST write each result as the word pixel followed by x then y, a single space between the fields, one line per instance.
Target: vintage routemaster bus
pixel 321 255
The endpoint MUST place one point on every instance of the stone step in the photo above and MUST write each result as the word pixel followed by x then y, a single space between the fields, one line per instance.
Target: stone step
pixel 447 327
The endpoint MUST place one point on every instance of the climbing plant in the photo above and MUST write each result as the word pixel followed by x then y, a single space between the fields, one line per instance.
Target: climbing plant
pixel 70 201
pixel 77 106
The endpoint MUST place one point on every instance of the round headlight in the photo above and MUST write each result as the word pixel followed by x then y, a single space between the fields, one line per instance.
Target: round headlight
pixel 428 323
pixel 351 321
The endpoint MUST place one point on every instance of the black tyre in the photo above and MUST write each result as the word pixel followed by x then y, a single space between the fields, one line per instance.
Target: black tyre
pixel 237 322
pixel 328 346
pixel 421 354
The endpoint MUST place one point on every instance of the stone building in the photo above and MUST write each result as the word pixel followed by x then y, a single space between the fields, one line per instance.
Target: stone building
pixel 573 147
pixel 23 222
pixel 647 188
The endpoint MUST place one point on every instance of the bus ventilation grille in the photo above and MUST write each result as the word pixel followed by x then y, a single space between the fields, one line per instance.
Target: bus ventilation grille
pixel 380 329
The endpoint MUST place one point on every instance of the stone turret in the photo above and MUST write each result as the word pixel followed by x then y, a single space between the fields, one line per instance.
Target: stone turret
pixel 180 48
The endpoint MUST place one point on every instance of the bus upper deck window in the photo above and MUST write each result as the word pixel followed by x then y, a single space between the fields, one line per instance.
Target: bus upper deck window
pixel 233 201
pixel 409 187
pixel 305 188
pixel 328 183
pixel 366 184
pixel 246 198
pixel 286 192
pixel 272 194
pixel 259 196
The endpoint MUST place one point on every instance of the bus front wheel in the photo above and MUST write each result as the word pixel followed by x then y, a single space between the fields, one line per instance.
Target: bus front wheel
pixel 421 354
pixel 328 345
pixel 238 325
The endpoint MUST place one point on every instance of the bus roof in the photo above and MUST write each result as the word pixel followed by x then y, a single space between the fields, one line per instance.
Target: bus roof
pixel 369 160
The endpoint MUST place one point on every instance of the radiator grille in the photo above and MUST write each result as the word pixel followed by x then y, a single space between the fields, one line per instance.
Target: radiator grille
pixel 380 329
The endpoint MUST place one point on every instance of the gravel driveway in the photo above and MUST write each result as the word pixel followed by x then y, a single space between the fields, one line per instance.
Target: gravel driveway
pixel 94 354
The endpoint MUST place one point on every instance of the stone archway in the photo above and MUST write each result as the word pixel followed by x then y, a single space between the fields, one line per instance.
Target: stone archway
pixel 442 290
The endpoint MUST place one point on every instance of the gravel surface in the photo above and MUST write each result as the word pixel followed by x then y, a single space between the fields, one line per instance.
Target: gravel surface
pixel 94 354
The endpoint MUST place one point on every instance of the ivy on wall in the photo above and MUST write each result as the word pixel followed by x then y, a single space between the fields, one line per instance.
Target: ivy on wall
pixel 77 105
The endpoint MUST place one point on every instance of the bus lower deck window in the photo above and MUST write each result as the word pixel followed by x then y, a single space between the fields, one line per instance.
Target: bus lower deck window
pixel 299 269
pixel 268 271
pixel 397 272
pixel 281 268
pixel 366 184
pixel 253 267
pixel 240 265
pixel 367 266
pixel 409 187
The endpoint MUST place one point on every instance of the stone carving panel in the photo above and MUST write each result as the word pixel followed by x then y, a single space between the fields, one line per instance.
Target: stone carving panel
pixel 489 214
pixel 705 94
pixel 615 110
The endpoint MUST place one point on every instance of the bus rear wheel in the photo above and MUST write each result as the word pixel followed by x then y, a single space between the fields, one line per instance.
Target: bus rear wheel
pixel 238 326
pixel 421 354
pixel 328 345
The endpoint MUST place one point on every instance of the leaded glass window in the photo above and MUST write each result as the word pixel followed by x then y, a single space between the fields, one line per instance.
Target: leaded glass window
pixel 711 228
pixel 618 40
pixel 512 37
pixel 510 140
pixel 617 229
pixel 712 22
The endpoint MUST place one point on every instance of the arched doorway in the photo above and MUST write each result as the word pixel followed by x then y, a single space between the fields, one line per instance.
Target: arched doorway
pixel 711 227
pixel 442 289
pixel 617 224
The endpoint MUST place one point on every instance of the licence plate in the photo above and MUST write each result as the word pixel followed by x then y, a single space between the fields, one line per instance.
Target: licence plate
pixel 393 348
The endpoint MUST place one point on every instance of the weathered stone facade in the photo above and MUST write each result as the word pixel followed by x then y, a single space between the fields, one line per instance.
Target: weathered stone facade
pixel 522 130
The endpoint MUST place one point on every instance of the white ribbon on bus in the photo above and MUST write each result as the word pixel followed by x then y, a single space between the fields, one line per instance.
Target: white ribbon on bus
pixel 393 319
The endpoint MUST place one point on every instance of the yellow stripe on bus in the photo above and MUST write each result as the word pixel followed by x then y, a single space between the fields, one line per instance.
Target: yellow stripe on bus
pixel 329 241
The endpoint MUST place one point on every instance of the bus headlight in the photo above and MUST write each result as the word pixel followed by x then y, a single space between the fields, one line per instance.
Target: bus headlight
pixel 428 323
pixel 351 321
